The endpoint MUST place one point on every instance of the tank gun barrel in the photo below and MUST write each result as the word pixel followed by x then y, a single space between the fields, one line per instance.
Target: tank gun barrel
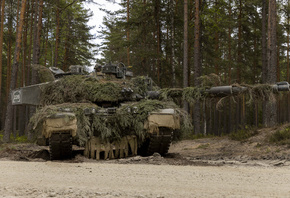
pixel 222 90
pixel 231 90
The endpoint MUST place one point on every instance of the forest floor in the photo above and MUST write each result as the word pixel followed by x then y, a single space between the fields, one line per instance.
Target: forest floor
pixel 207 167
pixel 204 151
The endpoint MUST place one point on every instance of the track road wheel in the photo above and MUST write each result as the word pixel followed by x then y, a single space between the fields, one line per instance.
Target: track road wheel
pixel 60 146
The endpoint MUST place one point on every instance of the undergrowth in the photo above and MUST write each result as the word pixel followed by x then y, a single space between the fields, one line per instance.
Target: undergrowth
pixel 243 134
pixel 281 137
pixel 129 119
pixel 14 139
pixel 1 137
pixel 203 146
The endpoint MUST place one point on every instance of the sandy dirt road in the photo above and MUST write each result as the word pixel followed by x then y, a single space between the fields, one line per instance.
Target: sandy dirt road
pixel 58 179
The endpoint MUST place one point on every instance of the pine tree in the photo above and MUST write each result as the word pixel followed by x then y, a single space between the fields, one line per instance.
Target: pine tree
pixel 9 111
pixel 271 106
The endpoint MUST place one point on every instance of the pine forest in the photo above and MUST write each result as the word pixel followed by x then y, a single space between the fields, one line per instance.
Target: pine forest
pixel 183 45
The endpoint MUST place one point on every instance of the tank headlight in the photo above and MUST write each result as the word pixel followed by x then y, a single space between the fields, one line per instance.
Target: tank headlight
pixel 135 109
pixel 67 110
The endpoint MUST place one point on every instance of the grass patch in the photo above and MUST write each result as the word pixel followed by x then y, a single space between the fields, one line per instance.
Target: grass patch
pixel 203 146
pixel 14 139
pixel 281 137
pixel 19 139
pixel 1 137
pixel 243 134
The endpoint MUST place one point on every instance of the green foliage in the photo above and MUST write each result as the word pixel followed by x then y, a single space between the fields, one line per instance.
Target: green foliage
pixel 80 88
pixel 243 134
pixel 281 137
pixel 128 120
pixel 259 92
pixel 1 136
pixel 210 80
pixel 72 89
pixel 43 73
pixel 76 39
pixel 253 93
pixel 19 139
pixel 193 94
pixel 167 93
pixel 186 129
pixel 231 38
pixel 203 146
pixel 142 84
pixel 14 139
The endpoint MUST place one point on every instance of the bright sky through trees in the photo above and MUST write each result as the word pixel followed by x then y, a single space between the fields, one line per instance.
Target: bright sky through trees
pixel 98 15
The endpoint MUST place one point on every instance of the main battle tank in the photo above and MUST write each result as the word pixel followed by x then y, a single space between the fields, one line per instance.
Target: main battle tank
pixel 109 113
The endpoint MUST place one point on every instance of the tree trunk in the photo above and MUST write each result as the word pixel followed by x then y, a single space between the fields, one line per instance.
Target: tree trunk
pixel 288 76
pixel 24 48
pixel 271 106
pixel 9 52
pixel 239 58
pixel 144 43
pixel 158 35
pixel 172 59
pixel 22 119
pixel 1 46
pixel 230 66
pixel 239 65
pixel 197 65
pixel 46 39
pixel 128 32
pixel 32 109
pixel 34 56
pixel 216 40
pixel 264 41
pixel 264 51
pixel 67 44
pixel 39 30
pixel 57 32
pixel 9 111
pixel 185 53
pixel 29 58
pixel 287 29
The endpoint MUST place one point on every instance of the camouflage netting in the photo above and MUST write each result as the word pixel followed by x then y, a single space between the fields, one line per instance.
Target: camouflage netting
pixel 128 120
pixel 170 93
pixel 262 92
pixel 43 73
pixel 210 80
pixel 141 86
pixel 192 94
pixel 79 88
pixel 252 93
pixel 259 92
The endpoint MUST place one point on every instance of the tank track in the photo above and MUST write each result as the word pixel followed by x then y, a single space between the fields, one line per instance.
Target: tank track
pixel 158 143
pixel 60 146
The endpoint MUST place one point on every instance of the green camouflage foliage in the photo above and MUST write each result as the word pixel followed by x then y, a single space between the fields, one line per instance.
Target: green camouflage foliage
pixel 43 73
pixel 128 120
pixel 80 88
